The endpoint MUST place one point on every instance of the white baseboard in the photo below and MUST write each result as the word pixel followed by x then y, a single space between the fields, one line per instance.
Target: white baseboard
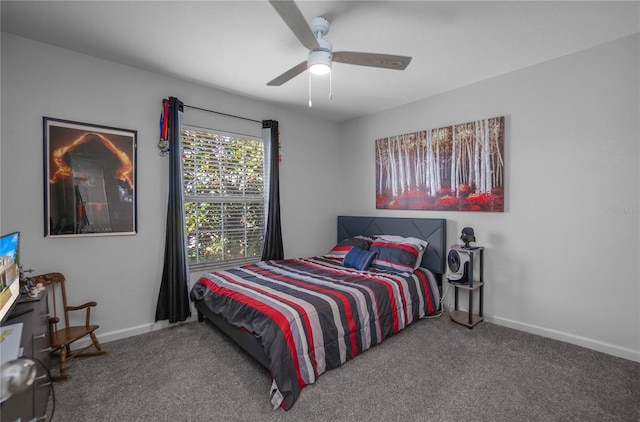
pixel 610 349
pixel 132 331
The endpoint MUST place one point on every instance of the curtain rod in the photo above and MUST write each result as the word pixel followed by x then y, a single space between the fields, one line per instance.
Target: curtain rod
pixel 222 114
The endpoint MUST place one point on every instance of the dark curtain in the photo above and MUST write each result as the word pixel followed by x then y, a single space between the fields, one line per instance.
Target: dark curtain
pixel 273 234
pixel 173 300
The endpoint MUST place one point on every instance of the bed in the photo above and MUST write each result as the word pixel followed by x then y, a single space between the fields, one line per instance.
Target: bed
pixel 301 317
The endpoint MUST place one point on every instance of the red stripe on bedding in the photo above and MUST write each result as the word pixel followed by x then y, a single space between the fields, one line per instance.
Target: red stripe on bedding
pixel 355 273
pixel 404 299
pixel 345 302
pixel 422 276
pixel 304 318
pixel 274 314
pixel 405 247
pixel 385 280
pixel 394 308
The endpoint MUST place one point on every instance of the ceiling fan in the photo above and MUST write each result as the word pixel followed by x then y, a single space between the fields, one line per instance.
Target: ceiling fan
pixel 321 54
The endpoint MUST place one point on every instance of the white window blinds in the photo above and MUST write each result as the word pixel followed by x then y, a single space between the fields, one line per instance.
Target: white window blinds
pixel 224 196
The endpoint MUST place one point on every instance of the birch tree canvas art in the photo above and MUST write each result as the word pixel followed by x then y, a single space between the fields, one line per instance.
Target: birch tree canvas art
pixel 453 168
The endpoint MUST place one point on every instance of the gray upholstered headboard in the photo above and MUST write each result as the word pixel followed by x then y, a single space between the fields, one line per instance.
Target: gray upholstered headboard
pixel 433 230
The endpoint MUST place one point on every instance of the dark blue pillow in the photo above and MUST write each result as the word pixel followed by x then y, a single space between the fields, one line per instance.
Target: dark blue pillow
pixel 359 258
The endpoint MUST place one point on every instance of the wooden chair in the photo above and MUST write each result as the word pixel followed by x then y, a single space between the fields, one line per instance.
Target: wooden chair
pixel 61 338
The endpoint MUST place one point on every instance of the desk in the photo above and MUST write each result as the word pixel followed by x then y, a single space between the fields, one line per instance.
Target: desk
pixel 31 405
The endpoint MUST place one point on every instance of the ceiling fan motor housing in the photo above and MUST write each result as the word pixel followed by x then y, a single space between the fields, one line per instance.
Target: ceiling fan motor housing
pixel 321 25
pixel 321 56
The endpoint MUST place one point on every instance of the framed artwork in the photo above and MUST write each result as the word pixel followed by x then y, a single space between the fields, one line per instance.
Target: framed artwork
pixel 89 179
pixel 452 168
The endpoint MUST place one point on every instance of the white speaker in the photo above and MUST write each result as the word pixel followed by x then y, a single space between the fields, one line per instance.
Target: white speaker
pixel 458 267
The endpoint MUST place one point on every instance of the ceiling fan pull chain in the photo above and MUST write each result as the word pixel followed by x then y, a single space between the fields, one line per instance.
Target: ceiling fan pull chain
pixel 310 90
pixel 330 86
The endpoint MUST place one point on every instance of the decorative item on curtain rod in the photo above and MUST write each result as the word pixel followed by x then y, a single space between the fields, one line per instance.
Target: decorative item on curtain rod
pixel 163 143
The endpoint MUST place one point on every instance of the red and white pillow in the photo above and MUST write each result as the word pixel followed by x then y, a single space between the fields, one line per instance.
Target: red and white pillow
pixel 398 253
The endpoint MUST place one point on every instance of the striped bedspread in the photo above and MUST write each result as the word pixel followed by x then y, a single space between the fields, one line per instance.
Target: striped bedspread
pixel 313 314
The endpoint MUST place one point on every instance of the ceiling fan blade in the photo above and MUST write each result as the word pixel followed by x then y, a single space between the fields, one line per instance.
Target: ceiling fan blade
pixel 292 16
pixel 385 61
pixel 289 74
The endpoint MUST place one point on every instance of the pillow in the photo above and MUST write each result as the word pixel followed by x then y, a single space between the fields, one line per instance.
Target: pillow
pixel 358 258
pixel 403 256
pixel 401 239
pixel 420 243
pixel 343 247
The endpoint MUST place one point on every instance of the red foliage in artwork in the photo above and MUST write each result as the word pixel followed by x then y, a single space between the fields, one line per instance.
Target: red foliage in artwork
pixel 447 202
pixel 395 204
pixel 445 192
pixel 420 205
pixel 420 200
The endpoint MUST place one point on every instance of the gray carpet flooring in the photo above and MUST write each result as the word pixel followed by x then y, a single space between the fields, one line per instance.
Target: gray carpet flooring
pixel 435 370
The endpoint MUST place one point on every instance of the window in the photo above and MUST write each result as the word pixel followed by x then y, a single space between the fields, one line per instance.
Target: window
pixel 224 196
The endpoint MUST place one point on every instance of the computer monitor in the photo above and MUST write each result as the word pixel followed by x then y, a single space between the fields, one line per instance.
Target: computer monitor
pixel 9 272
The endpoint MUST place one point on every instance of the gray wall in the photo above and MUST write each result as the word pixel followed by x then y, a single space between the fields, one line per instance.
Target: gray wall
pixel 562 260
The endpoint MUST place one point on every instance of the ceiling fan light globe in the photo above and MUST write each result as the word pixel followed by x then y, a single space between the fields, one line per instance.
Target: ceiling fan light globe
pixel 319 69
pixel 319 62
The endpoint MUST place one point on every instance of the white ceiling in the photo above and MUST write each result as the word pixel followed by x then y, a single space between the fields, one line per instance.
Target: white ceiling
pixel 238 46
